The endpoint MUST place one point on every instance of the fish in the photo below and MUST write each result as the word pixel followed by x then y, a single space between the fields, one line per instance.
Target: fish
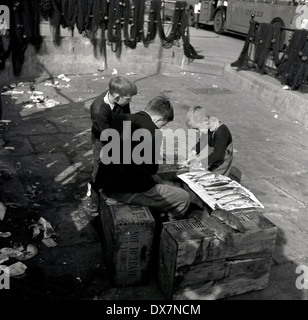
pixel 213 183
pixel 213 178
pixel 239 204
pixel 219 188
pixel 230 198
pixel 229 219
pixel 212 224
pixel 222 194
pixel 232 184
pixel 195 176
pixel 198 175
pixel 208 177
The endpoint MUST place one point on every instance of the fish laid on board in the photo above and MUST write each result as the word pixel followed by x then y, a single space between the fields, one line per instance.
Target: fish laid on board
pixel 204 176
pixel 208 177
pixel 237 204
pixel 228 186
pixel 213 183
pixel 197 175
pixel 231 198
pixel 229 219
pixel 221 194
pixel 217 194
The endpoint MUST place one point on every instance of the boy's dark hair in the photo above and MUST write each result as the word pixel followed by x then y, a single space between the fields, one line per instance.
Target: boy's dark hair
pixel 122 86
pixel 161 106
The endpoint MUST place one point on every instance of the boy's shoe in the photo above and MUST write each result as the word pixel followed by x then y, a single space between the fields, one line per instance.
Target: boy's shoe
pixel 94 201
pixel 93 207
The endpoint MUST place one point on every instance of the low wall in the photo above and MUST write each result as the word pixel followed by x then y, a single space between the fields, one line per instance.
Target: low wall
pixel 77 55
pixel 269 90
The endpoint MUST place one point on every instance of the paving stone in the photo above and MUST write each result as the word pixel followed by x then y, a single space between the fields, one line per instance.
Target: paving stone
pixel 271 196
pixel 295 185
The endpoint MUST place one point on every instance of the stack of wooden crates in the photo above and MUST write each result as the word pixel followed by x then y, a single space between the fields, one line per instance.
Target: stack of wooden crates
pixel 194 264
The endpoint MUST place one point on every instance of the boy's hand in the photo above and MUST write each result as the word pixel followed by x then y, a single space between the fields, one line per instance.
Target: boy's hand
pixel 157 179
pixel 191 156
pixel 196 166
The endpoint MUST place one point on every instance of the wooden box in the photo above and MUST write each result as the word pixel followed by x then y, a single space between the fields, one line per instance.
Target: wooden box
pixel 194 264
pixel 127 237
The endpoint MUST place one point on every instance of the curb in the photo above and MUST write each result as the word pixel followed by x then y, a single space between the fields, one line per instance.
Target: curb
pixel 267 89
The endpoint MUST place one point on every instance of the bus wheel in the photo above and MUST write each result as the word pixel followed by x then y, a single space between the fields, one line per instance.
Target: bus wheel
pixel 219 22
pixel 191 17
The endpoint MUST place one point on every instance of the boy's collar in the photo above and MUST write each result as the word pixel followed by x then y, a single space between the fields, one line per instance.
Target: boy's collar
pixel 107 100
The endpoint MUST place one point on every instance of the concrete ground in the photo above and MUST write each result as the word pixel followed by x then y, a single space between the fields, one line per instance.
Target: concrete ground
pixel 45 166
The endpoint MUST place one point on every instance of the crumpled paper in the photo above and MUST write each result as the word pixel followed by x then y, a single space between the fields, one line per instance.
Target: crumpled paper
pixel 15 269
pixel 2 211
pixel 18 253
pixel 44 225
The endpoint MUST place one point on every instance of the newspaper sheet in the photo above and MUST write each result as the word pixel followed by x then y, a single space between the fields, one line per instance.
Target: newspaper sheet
pixel 220 192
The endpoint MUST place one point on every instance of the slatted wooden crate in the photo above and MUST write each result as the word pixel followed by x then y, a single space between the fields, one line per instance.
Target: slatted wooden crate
pixel 127 238
pixel 194 264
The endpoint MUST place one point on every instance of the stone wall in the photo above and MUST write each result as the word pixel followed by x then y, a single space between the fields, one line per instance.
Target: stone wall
pixel 77 55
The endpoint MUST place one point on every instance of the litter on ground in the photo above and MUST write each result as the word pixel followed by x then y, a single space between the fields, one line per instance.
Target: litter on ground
pixel 2 211
pixel 49 242
pixel 5 234
pixel 16 269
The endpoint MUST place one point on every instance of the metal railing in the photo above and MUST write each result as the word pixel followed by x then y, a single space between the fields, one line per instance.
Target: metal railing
pixel 270 65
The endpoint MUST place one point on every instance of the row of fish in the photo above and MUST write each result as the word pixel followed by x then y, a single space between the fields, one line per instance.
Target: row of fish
pixel 208 179
pixel 226 193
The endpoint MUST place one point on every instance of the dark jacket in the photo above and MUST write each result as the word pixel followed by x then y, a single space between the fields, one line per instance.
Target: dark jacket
pixel 101 114
pixel 129 176
pixel 220 147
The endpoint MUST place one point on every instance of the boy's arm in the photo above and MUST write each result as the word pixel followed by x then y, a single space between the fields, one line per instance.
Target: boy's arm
pixel 219 150
pixel 104 118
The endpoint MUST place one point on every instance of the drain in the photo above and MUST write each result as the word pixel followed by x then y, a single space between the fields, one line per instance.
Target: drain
pixel 211 91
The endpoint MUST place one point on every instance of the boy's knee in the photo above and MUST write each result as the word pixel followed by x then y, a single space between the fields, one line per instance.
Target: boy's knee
pixel 186 198
pixel 183 204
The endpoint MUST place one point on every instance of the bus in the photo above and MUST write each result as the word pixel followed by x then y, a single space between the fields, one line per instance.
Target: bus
pixel 234 15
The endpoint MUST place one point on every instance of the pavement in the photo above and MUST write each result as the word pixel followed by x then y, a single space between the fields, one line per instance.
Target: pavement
pixel 45 165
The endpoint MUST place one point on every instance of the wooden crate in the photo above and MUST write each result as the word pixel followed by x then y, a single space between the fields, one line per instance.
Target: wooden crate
pixel 127 237
pixel 194 264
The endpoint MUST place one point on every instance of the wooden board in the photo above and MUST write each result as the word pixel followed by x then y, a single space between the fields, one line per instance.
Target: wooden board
pixel 221 279
pixel 127 233
pixel 170 171
pixel 191 256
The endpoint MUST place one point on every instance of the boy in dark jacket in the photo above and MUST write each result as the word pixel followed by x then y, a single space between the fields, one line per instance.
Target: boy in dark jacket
pixel 216 136
pixel 133 179
pixel 115 100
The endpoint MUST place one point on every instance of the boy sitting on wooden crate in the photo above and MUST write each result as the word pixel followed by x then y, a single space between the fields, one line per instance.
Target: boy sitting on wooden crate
pixel 135 182
pixel 115 100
